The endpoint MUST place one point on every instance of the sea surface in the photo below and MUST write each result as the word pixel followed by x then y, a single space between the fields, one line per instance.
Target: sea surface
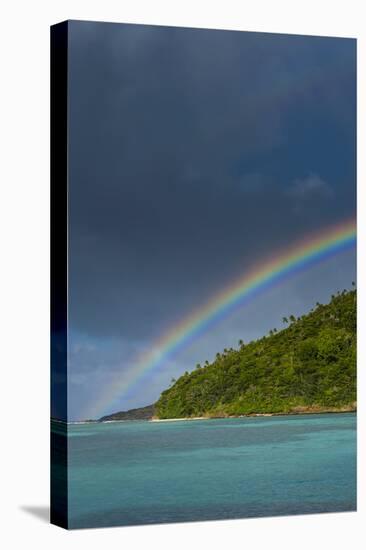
pixel 136 472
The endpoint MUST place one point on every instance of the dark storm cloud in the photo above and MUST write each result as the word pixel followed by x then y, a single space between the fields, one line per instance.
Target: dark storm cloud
pixel 184 145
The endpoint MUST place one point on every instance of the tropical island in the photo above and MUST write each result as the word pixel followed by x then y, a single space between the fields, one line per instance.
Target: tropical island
pixel 307 367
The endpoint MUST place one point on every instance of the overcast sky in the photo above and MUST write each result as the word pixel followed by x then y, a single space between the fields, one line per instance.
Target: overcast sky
pixel 193 155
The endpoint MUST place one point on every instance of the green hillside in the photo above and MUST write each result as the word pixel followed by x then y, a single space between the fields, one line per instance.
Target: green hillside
pixel 308 366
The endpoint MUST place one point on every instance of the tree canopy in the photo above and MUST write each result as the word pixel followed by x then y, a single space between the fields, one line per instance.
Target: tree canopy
pixel 309 365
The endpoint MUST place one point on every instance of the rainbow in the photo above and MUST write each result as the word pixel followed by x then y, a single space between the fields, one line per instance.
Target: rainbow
pixel 300 256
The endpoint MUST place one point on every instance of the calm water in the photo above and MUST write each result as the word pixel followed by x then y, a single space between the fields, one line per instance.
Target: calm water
pixel 140 472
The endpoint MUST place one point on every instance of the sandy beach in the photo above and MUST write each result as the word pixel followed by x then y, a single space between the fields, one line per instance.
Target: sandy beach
pixel 298 411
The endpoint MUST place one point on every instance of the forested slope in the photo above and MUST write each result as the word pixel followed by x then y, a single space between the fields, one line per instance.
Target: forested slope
pixel 310 365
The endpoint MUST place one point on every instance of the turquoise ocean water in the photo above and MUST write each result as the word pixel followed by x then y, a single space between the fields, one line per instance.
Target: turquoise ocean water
pixel 133 473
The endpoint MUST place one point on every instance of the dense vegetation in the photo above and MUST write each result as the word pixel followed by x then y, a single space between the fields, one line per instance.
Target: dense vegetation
pixel 308 366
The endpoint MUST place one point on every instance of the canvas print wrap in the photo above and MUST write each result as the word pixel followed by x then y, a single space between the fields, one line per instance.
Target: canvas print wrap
pixel 203 266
